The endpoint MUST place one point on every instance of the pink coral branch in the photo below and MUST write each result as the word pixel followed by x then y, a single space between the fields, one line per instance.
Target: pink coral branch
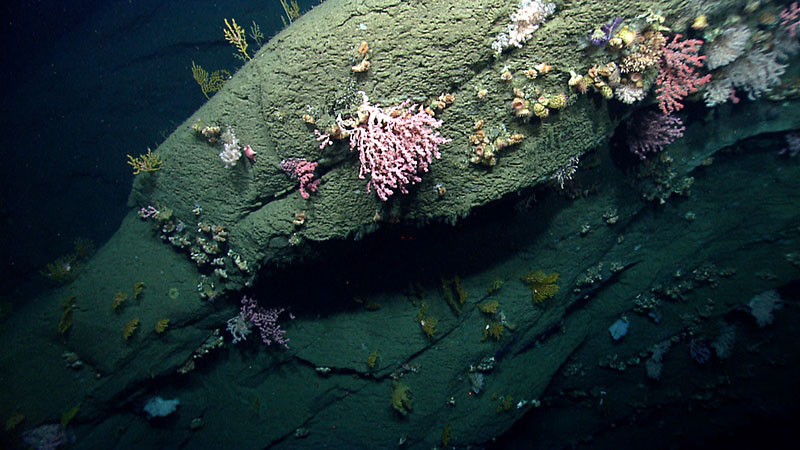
pixel 677 78
pixel 302 170
pixel 790 19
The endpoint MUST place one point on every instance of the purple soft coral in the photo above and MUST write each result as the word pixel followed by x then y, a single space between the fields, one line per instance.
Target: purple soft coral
pixel 602 35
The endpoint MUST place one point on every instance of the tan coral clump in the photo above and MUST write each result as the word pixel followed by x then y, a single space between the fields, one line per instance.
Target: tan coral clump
pixel 577 82
pixel 299 218
pixel 130 328
pixel 363 48
pixel 361 67
pixel 647 53
pixel 543 68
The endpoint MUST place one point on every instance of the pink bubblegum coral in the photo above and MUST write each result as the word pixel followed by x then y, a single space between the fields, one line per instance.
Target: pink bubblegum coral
pixel 677 77
pixel 302 170
pixel 395 145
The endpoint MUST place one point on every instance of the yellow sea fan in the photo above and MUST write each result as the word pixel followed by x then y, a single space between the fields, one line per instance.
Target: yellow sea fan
pixel 209 82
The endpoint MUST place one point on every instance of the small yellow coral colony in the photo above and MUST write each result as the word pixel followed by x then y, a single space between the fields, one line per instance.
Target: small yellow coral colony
pixel 542 286
pixel 427 322
pixel 149 162
pixel 291 9
pixel 235 35
pixel 65 323
pixel 209 83
pixel 401 397
pixel 493 329
pixel 119 299
pixel 489 307
pixel 161 325
pixel 130 328
pixel 138 288
pixel 372 359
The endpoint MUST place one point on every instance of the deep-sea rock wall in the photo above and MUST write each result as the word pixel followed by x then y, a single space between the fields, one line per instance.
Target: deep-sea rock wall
pixel 417 51
pixel 608 245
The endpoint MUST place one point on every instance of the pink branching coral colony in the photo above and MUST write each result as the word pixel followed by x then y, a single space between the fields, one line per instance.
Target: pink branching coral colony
pixel 677 77
pixel 395 145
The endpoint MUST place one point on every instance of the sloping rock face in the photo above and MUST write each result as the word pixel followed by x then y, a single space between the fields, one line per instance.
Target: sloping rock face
pixel 416 51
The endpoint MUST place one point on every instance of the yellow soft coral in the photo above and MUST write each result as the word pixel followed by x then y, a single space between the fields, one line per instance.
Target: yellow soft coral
pixel 149 162
pixel 235 35
pixel 209 83
pixel 543 286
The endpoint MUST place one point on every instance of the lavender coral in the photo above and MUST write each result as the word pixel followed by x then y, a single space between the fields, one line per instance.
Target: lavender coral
pixel 529 15
pixel 265 320
pixel 651 132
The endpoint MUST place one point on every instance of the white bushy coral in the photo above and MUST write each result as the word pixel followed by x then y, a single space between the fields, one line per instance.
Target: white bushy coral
pixel 762 306
pixel 231 150
pixel 729 45
pixel 529 15
pixel 756 73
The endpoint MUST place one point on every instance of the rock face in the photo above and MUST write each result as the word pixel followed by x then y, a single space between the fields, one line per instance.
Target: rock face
pixel 409 312
pixel 415 53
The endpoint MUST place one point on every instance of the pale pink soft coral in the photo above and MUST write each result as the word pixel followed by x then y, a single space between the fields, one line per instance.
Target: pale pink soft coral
pixel 395 145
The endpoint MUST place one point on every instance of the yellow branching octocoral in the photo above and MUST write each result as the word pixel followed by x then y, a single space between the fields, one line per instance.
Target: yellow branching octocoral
pixel 542 286
pixel 401 397
pixel 292 10
pixel 138 288
pixel 235 35
pixel 209 83
pixel 60 270
pixel 66 317
pixel 64 269
pixel 372 359
pixel 489 307
pixel 454 286
pixel 119 299
pixel 426 321
pixel 149 162
pixel 130 328
pixel 161 325
pixel 493 329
